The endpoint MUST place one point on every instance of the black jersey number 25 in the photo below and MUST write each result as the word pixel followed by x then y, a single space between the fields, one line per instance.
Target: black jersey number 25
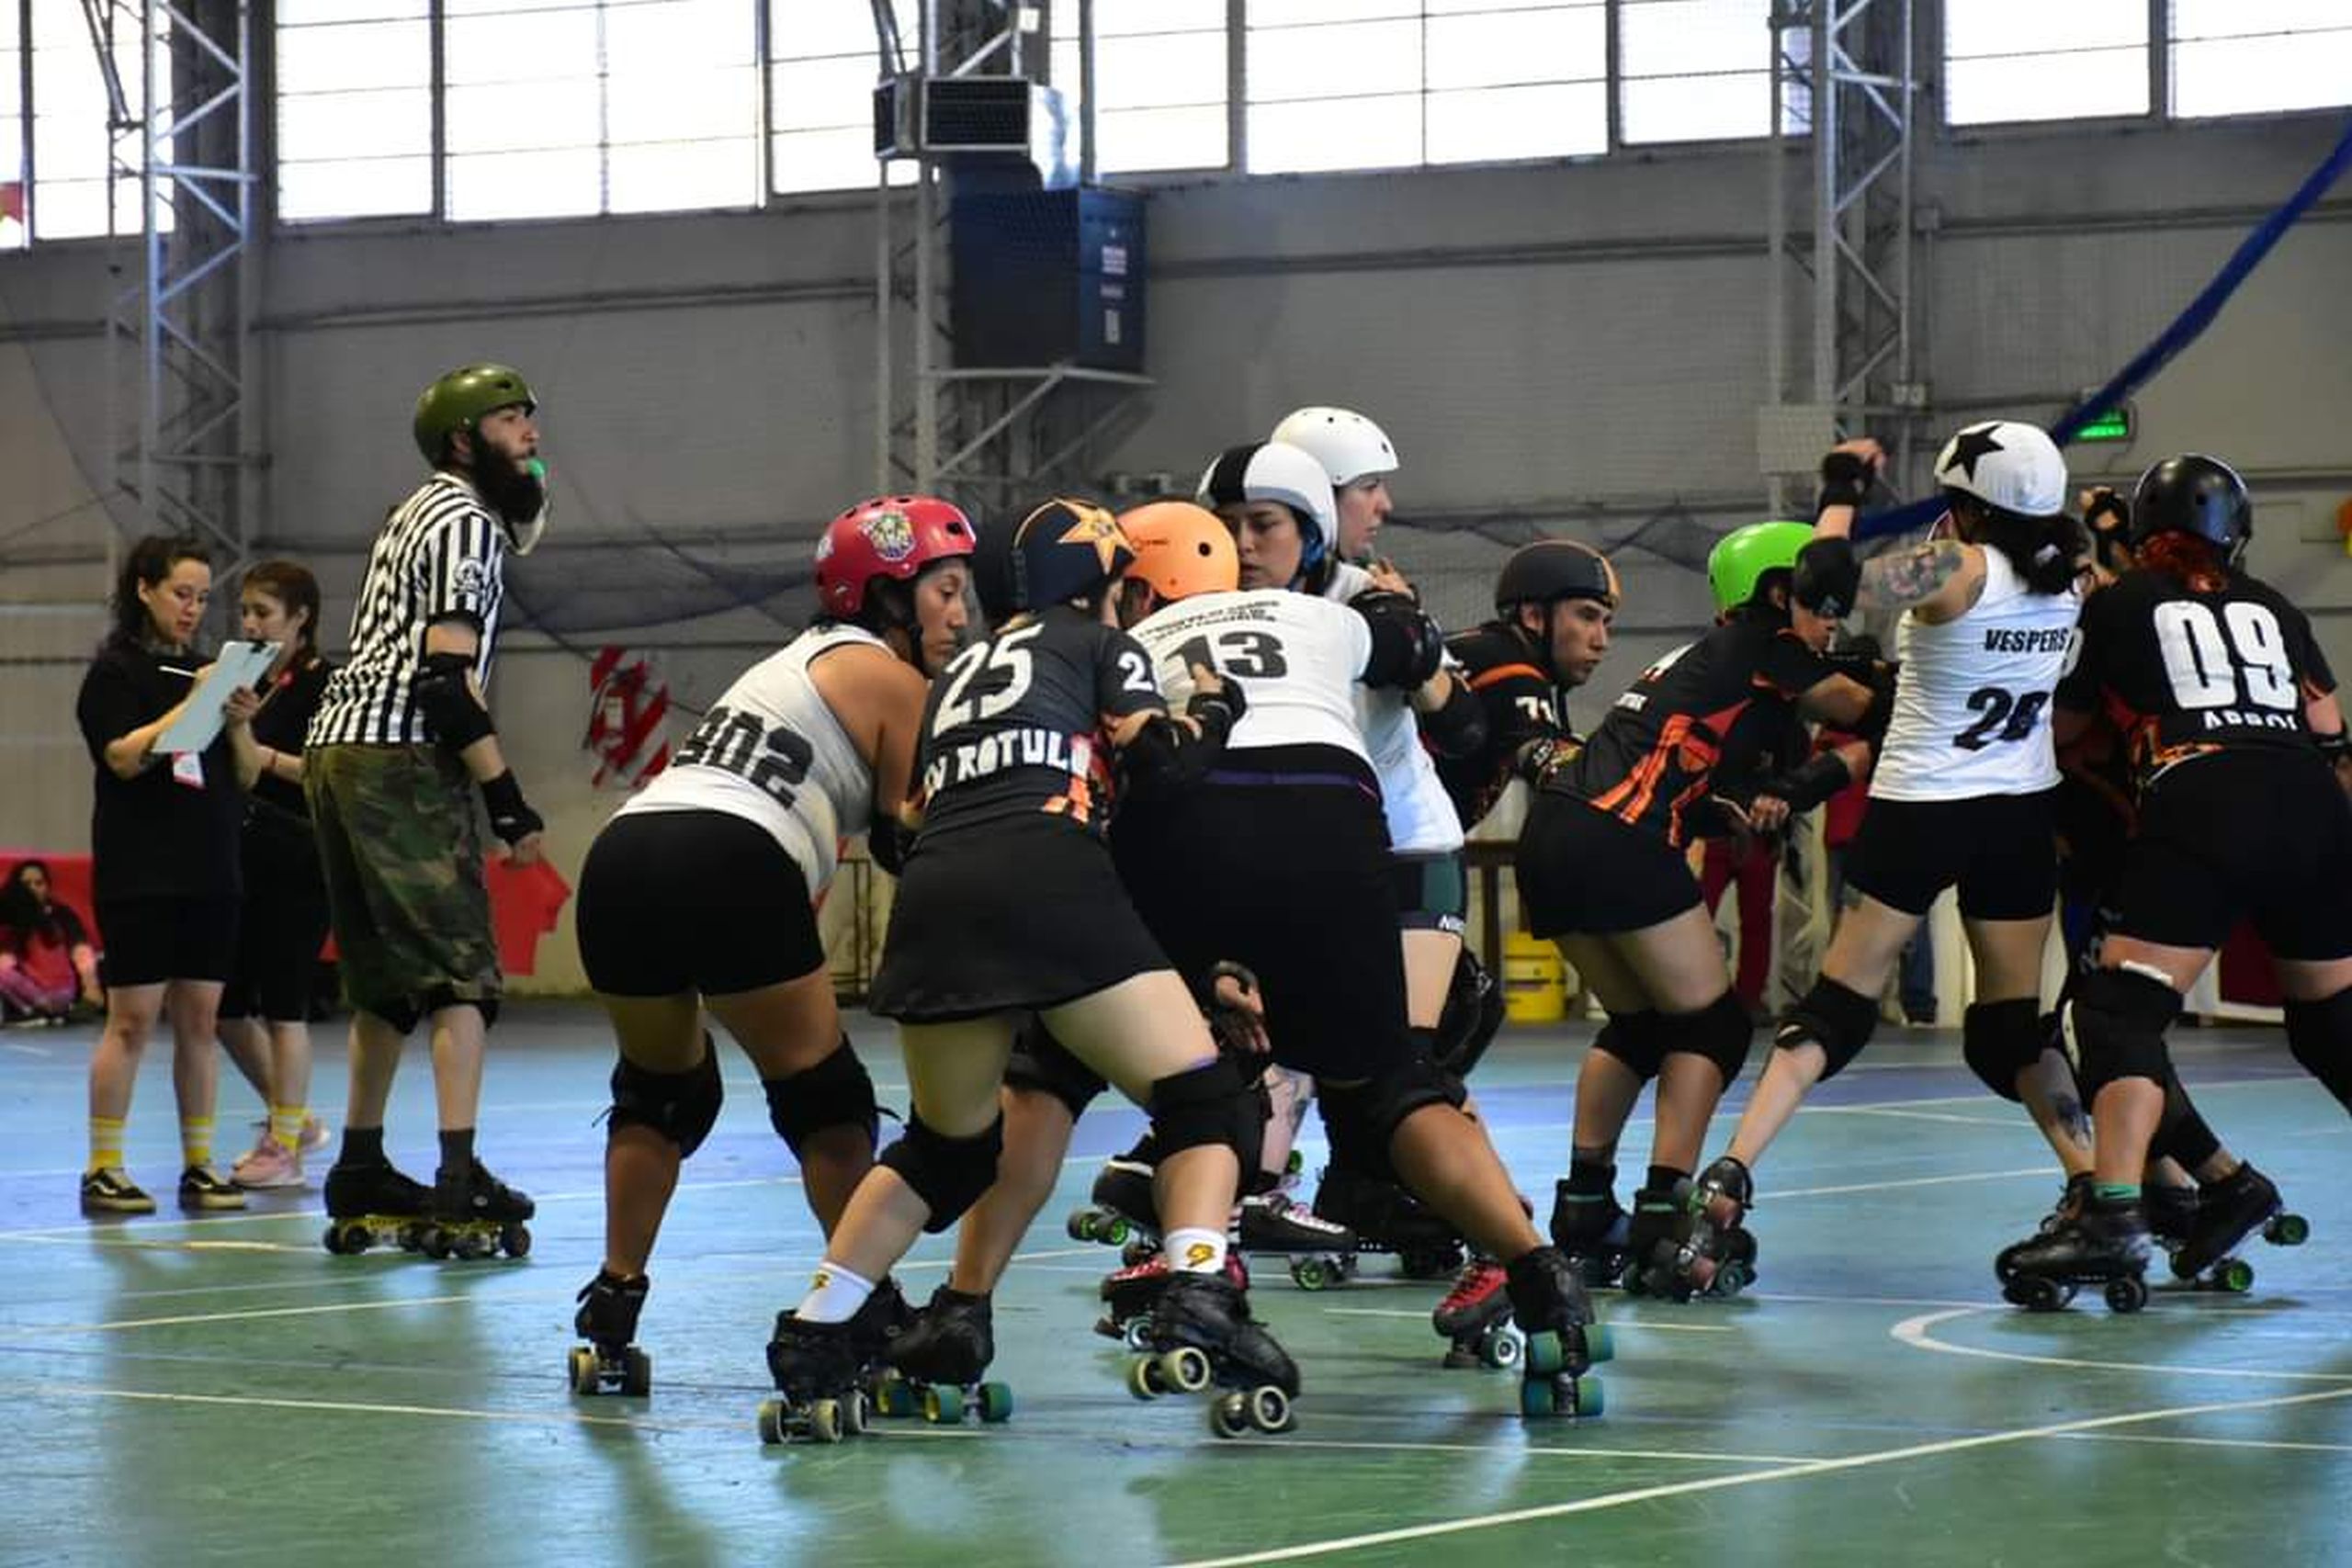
pixel 1006 662
pixel 1239 651
pixel 775 761
pixel 2007 715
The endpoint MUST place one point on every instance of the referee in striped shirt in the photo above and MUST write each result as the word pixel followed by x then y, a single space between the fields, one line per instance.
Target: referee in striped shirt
pixel 401 739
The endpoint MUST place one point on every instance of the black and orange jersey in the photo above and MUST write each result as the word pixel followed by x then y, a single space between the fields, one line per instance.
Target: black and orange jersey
pixel 1017 724
pixel 1522 703
pixel 1731 694
pixel 2181 673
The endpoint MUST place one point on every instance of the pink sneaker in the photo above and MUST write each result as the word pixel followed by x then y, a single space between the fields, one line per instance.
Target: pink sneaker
pixel 270 1164
pixel 315 1134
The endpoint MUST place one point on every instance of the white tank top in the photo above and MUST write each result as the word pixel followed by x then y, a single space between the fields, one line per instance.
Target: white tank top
pixel 1421 818
pixel 771 751
pixel 1298 660
pixel 1972 703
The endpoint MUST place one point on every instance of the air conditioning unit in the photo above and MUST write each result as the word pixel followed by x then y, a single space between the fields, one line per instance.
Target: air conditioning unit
pixel 970 116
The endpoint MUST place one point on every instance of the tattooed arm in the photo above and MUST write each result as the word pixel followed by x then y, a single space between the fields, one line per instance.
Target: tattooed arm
pixel 1942 574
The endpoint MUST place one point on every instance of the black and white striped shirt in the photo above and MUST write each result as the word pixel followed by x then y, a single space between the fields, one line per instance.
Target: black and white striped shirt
pixel 440 555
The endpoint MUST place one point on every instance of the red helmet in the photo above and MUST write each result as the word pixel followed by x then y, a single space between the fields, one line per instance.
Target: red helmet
pixel 890 536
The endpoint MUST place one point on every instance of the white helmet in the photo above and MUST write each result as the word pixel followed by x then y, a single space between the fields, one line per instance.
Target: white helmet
pixel 1349 445
pixel 1275 470
pixel 2007 464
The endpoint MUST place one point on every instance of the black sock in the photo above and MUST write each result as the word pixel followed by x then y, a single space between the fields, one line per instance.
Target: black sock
pixel 362 1145
pixel 457 1150
pixel 1591 1170
pixel 1666 1177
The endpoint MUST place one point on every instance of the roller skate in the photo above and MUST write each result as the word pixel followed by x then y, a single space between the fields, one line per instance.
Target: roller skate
pixel 818 1370
pixel 474 1214
pixel 610 1362
pixel 1654 1235
pixel 1387 1218
pixel 2077 1193
pixel 1129 1295
pixel 1476 1315
pixel 1123 1212
pixel 2106 1245
pixel 1592 1229
pixel 1563 1340
pixel 935 1364
pixel 2172 1213
pixel 2241 1204
pixel 1318 1251
pixel 374 1205
pixel 1201 1338
pixel 1716 1254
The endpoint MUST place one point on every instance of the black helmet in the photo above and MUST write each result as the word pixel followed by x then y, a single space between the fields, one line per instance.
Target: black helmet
pixel 2194 494
pixel 1555 568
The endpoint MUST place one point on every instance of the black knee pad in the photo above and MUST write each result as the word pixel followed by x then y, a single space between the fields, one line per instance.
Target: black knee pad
pixel 1041 1063
pixel 1636 1039
pixel 2000 1040
pixel 2120 1022
pixel 1834 1017
pixel 1362 1120
pixel 1474 1011
pixel 836 1092
pixel 2320 1035
pixel 681 1107
pixel 1722 1032
pixel 947 1174
pixel 1217 1103
pixel 2183 1134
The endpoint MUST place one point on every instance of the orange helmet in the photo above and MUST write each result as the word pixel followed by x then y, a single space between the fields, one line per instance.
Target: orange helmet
pixel 1181 549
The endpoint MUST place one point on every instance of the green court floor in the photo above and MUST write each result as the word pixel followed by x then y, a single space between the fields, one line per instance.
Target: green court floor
pixel 220 1389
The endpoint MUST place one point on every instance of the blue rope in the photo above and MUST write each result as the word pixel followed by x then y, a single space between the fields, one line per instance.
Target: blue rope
pixel 2185 330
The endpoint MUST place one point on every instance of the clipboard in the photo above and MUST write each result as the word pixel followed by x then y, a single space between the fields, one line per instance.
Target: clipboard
pixel 240 664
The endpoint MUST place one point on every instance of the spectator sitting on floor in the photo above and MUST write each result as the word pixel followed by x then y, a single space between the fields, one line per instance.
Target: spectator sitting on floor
pixel 48 969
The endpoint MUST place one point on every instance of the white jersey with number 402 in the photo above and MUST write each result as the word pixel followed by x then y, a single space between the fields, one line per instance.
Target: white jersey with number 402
pixel 771 751
pixel 1297 659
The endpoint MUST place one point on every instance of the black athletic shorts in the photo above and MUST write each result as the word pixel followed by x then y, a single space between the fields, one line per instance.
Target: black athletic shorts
pixel 1583 872
pixel 283 925
pixel 150 941
pixel 1432 893
pixel 706 901
pixel 2001 851
pixel 2253 834
pixel 1279 862
pixel 1018 914
pixel 1041 1062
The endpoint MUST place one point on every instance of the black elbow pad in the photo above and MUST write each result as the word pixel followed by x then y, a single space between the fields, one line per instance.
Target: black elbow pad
pixel 888 842
pixel 449 704
pixel 1807 787
pixel 1459 728
pixel 1872 725
pixel 1406 646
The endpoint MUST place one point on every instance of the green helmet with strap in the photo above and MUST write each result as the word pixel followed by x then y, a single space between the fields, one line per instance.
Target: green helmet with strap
pixel 457 401
pixel 1742 557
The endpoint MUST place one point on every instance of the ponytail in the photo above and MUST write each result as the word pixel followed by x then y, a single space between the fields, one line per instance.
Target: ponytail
pixel 2044 551
pixel 2190 558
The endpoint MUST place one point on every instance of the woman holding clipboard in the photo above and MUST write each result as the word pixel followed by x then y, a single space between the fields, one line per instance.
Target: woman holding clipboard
pixel 165 837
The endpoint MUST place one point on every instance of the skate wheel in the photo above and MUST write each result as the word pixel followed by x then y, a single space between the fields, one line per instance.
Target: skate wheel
pixel 825 1421
pixel 2287 1230
pixel 1588 1397
pixel 1138 1334
pixel 346 1241
pixel 1186 1368
pixel 772 1421
pixel 2234 1275
pixel 942 1405
pixel 1136 1252
pixel 1143 1378
pixel 853 1414
pixel 1600 1345
pixel 1499 1351
pixel 1537 1397
pixel 892 1397
pixel 1229 1414
pixel 433 1242
pixel 1309 1273
pixel 516 1240
pixel 637 1373
pixel 2130 1294
pixel 1546 1355
pixel 2036 1295
pixel 1080 1225
pixel 996 1404
pixel 582 1370
pixel 1270 1409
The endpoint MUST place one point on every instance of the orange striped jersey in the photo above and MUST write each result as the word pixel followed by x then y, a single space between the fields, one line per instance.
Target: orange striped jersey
pixel 1522 704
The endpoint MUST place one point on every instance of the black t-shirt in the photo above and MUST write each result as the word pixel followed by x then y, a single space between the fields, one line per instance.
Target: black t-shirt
pixel 153 836
pixel 2182 673
pixel 1015 724
pixel 285 719
pixel 1522 703
pixel 1731 694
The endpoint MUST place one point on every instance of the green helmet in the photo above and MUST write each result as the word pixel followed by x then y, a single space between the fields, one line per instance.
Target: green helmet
pixel 1742 557
pixel 459 400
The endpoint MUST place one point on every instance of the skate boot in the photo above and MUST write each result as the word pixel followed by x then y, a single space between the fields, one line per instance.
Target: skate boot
pixel 1123 1212
pixel 1202 1338
pixel 1591 1226
pixel 2228 1210
pixel 1563 1341
pixel 2172 1213
pixel 474 1214
pixel 1476 1315
pixel 374 1205
pixel 1387 1218
pixel 1654 1233
pixel 1716 1255
pixel 936 1364
pixel 2071 1199
pixel 2106 1245
pixel 1129 1295
pixel 817 1369
pixel 1319 1252
pixel 610 1362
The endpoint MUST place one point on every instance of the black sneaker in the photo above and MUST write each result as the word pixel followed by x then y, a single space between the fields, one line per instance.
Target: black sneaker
pixel 110 1190
pixel 201 1186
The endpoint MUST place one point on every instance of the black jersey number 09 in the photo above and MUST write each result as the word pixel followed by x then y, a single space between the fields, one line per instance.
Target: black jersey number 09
pixel 2208 657
pixel 775 761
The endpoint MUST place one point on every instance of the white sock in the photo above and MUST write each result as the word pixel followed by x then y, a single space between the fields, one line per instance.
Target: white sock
pixel 834 1295
pixel 1195 1251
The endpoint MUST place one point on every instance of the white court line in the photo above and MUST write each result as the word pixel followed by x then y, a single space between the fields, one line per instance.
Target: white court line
pixel 1753 1478
pixel 1614 1322
pixel 2043 1170
pixel 2210 1442
pixel 1507 1450
pixel 2004 1122
pixel 1917 1333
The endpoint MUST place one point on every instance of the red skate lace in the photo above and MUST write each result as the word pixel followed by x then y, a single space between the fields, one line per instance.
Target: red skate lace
pixel 1477 1280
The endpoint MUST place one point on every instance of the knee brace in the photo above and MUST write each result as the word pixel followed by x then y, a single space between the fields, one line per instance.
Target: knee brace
pixel 2319 1036
pixel 836 1092
pixel 1722 1032
pixel 1041 1063
pixel 1474 1011
pixel 681 1107
pixel 947 1174
pixel 2120 1017
pixel 1364 1119
pixel 1211 1104
pixel 2000 1040
pixel 1635 1039
pixel 1834 1017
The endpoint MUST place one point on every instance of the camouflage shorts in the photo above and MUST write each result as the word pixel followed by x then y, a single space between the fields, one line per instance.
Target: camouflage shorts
pixel 400 844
